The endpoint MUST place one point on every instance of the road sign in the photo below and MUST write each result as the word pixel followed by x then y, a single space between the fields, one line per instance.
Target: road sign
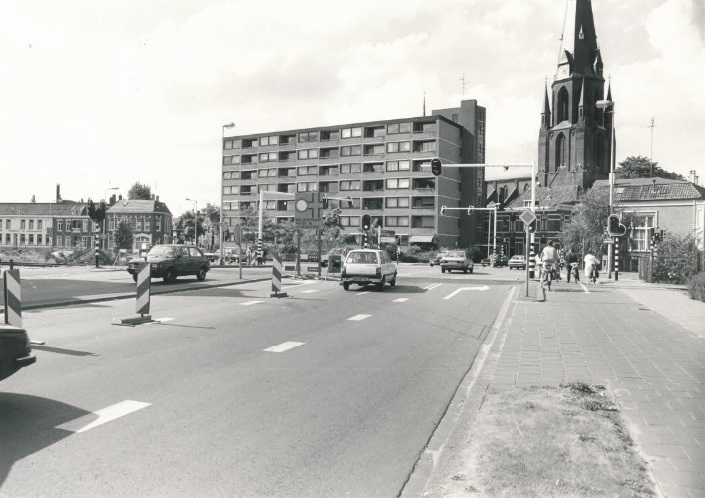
pixel 308 223
pixel 527 216
pixel 308 205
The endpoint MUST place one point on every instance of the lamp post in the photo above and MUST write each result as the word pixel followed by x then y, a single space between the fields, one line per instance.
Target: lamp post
pixel 102 228
pixel 195 221
pixel 222 186
pixel 604 105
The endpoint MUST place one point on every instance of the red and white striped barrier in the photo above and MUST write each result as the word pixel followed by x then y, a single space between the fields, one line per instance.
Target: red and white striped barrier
pixel 144 282
pixel 13 298
pixel 277 271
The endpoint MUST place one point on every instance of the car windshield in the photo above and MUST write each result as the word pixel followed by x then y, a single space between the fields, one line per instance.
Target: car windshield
pixel 455 254
pixel 362 257
pixel 162 252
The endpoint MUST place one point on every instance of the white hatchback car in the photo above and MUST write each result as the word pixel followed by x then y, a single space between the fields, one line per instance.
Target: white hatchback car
pixel 368 266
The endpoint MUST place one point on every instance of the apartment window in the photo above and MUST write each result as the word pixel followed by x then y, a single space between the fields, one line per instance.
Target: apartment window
pixel 267 157
pixel 158 223
pixel 111 223
pixel 308 153
pixel 307 170
pixel 247 175
pixel 39 239
pixel 31 239
pixel 374 149
pixel 233 189
pixel 266 187
pixel 22 239
pixel 139 225
pixel 310 136
pixel 397 183
pixel 270 205
pixel 286 187
pixel 396 221
pixel 351 150
pixel 249 159
pixel 248 143
pixel 350 221
pixel 398 165
pixel 328 170
pixel 272 140
pixel 23 224
pixel 264 173
pixel 398 147
pixel 422 222
pixel 246 190
pixel 394 128
pixel 397 202
pixel 147 225
pixel 60 225
pixel 287 172
pixel 351 132
pixel 84 228
pixel 228 144
pixel 7 224
pixel 39 224
pixel 8 239
pixel 350 185
pixel 373 168
pixel 429 146
pixel 31 224
pixel 306 186
pixel 227 160
pixel 349 168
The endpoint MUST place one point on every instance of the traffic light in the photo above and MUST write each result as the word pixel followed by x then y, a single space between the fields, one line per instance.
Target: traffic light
pixel 436 167
pixel 612 224
pixel 366 222
pixel 443 210
pixel 532 226
pixel 365 240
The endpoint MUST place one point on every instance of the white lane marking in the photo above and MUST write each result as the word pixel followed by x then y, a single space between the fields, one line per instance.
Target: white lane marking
pixel 481 289
pixel 357 318
pixel 296 284
pixel 309 291
pixel 431 286
pixel 363 292
pixel 585 289
pixel 104 416
pixel 248 303
pixel 401 300
pixel 283 347
pixel 162 320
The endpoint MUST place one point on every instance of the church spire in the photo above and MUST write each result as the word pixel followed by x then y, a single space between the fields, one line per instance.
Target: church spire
pixel 546 114
pixel 578 41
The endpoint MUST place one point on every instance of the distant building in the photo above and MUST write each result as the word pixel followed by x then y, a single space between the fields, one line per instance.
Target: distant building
pixel 384 166
pixel 150 221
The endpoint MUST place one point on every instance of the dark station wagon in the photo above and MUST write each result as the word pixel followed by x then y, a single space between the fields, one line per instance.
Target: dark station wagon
pixel 169 261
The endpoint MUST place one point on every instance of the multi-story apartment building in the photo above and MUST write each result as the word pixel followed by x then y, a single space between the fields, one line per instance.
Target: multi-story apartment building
pixel 383 166
pixel 150 221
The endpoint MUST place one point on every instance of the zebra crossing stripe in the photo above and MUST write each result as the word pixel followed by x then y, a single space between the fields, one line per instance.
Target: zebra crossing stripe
pixel 143 285
pixel 13 298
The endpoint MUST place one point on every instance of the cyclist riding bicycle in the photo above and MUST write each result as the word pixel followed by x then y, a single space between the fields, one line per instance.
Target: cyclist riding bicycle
pixel 549 258
pixel 591 263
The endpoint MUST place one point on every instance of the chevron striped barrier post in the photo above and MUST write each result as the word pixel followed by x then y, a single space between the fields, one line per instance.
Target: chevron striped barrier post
pixel 532 261
pixel 277 271
pixel 144 282
pixel 616 259
pixel 13 298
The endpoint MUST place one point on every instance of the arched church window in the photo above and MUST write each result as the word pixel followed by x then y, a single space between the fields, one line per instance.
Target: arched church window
pixel 563 100
pixel 561 151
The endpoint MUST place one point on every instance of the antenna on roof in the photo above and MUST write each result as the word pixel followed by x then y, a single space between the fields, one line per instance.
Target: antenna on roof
pixel 462 79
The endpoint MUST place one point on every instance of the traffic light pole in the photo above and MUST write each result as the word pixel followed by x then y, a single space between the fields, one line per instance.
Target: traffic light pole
pixel 469 210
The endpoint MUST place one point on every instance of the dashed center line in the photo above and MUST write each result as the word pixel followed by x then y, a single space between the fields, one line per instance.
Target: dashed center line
pixel 248 303
pixel 401 300
pixel 431 286
pixel 309 291
pixel 83 424
pixel 357 318
pixel 283 347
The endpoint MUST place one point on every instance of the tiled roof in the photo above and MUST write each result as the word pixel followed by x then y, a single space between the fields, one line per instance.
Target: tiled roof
pixel 42 209
pixel 133 206
pixel 653 189
pixel 548 196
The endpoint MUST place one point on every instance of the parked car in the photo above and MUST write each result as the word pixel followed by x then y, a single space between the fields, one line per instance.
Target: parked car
pixel 15 352
pixel 212 256
pixel 486 262
pixel 368 266
pixel 436 260
pixel 169 261
pixel 501 260
pixel 517 261
pixel 456 260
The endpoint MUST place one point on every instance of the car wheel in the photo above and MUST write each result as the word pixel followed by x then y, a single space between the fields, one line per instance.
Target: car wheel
pixel 346 286
pixel 443 270
pixel 380 286
pixel 465 270
pixel 170 276
pixel 471 269
pixel 201 275
pixel 393 282
pixel 134 277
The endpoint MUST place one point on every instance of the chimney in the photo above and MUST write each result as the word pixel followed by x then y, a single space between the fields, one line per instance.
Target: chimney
pixel 692 177
pixel 58 192
pixel 157 198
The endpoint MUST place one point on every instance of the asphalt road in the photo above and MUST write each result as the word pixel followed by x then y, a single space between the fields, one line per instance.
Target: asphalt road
pixel 232 393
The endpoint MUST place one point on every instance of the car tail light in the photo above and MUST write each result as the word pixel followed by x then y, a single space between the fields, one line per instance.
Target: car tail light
pixel 378 271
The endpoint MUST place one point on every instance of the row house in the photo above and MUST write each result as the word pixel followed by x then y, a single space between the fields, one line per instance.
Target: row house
pixel 149 220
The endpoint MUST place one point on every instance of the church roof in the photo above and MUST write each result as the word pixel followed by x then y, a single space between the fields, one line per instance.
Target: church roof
pixel 652 189
pixel 547 197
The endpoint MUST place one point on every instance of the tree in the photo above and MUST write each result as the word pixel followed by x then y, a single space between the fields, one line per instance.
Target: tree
pixel 643 167
pixel 124 238
pixel 140 191
pixel 97 214
pixel 585 231
pixel 676 261
pixel 187 222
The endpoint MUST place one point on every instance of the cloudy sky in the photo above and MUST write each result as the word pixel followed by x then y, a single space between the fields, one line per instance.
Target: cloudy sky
pixel 97 94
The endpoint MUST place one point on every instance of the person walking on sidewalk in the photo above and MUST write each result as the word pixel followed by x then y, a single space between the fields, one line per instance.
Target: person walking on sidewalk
pixel 591 263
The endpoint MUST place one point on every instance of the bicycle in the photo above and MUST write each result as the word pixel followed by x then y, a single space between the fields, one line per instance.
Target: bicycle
pixel 546 275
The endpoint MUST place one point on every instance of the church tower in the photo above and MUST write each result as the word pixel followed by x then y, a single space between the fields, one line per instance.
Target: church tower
pixel 575 139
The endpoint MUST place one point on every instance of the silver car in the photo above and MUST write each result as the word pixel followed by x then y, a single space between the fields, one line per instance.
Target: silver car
pixel 368 266
pixel 456 260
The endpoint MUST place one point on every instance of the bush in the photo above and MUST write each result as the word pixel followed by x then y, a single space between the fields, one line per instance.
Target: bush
pixel 696 287
pixel 677 259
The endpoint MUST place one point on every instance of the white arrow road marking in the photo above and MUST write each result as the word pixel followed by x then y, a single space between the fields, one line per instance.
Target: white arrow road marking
pixel 483 288
pixel 248 303
pixel 104 416
pixel 283 347
pixel 357 318
pixel 431 286
pixel 401 300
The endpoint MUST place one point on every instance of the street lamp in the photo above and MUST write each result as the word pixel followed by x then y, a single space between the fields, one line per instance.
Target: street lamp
pixel 222 186
pixel 195 221
pixel 604 105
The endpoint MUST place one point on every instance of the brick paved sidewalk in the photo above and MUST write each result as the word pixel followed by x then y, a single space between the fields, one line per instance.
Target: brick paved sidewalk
pixel 655 368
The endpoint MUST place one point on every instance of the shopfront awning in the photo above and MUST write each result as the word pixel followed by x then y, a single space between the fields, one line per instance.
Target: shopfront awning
pixel 422 239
